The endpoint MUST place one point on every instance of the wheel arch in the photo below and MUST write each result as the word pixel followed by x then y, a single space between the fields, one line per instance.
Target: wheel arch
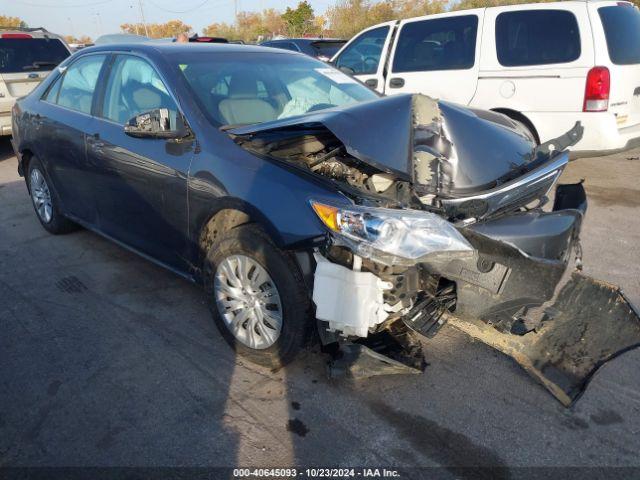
pixel 26 154
pixel 228 214
pixel 520 117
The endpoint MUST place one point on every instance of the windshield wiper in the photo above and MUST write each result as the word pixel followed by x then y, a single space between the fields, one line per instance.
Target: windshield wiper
pixel 224 128
pixel 36 65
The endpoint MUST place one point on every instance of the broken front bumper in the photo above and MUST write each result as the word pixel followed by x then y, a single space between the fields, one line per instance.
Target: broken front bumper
pixel 512 294
pixel 518 299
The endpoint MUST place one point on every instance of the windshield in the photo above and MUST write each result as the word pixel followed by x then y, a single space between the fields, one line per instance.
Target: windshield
pixel 249 88
pixel 18 55
pixel 622 29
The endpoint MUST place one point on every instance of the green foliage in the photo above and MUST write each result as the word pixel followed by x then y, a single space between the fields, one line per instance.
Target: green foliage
pixel 348 17
pixel 467 4
pixel 299 21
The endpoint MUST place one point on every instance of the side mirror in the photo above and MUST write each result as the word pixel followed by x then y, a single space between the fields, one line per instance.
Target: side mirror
pixel 156 123
pixel 349 71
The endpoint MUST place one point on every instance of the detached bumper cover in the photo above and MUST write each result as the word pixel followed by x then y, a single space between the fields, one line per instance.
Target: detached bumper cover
pixel 590 323
pixel 580 325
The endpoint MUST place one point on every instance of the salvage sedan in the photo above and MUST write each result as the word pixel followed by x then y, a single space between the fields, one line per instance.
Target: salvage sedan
pixel 311 208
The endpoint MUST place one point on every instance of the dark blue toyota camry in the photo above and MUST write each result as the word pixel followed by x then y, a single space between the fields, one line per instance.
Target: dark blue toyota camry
pixel 308 206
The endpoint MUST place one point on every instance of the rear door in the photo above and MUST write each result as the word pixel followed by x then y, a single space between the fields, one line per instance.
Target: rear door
pixel 63 121
pixel 617 31
pixel 437 56
pixel 365 56
pixel 24 62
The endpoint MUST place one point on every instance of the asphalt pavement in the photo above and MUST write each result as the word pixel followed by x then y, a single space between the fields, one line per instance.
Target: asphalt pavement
pixel 109 360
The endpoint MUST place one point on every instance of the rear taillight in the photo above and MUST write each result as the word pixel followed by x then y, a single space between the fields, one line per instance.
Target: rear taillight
pixel 16 35
pixel 596 97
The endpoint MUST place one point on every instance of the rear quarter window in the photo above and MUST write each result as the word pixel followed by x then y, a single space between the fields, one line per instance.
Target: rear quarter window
pixel 622 28
pixel 537 37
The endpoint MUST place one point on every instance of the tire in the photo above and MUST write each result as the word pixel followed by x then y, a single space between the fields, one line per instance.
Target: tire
pixel 233 252
pixel 528 129
pixel 45 202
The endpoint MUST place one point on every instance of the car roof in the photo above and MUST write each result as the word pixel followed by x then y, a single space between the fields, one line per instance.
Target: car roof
pixel 33 32
pixel 306 40
pixel 152 48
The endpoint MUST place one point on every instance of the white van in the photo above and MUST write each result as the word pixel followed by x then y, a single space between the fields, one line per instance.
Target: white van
pixel 545 65
pixel 27 55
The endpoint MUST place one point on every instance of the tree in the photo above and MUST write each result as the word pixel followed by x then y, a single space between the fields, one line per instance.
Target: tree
pixel 272 22
pixel 6 21
pixel 83 39
pixel 301 21
pixel 467 4
pixel 249 26
pixel 348 17
pixel 221 30
pixel 172 28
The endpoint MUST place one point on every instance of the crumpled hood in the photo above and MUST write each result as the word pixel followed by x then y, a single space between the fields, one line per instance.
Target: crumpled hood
pixel 444 147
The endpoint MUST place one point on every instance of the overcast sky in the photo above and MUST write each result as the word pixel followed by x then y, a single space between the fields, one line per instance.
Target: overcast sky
pixel 97 17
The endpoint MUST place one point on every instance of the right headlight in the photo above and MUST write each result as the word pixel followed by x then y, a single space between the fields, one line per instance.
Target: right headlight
pixel 391 235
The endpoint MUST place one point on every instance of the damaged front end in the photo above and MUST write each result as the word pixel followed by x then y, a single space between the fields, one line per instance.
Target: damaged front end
pixel 447 218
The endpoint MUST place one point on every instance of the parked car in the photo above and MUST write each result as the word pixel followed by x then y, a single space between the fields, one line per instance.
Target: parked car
pixel 207 39
pixel 320 48
pixel 544 65
pixel 27 55
pixel 302 200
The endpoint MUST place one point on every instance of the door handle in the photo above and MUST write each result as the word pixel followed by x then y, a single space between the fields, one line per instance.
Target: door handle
pixel 371 82
pixel 396 82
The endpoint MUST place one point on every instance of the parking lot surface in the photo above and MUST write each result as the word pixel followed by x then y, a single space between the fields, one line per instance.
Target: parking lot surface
pixel 108 360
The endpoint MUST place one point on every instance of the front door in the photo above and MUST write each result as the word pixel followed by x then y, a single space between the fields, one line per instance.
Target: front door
pixel 141 183
pixel 436 56
pixel 365 56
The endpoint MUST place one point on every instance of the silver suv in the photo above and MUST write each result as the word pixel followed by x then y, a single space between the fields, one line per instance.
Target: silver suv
pixel 27 55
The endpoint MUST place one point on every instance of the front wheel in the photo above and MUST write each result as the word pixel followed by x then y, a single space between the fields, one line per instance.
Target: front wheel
pixel 257 297
pixel 45 202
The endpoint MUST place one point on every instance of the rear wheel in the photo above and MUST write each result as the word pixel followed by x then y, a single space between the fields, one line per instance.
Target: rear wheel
pixel 45 202
pixel 257 297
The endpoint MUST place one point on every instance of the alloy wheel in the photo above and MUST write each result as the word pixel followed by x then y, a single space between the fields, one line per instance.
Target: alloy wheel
pixel 41 195
pixel 248 301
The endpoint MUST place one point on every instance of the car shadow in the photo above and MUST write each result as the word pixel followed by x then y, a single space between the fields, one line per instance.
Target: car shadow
pixel 6 150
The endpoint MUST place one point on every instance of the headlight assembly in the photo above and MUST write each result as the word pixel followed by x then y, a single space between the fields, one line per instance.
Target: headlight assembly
pixel 392 236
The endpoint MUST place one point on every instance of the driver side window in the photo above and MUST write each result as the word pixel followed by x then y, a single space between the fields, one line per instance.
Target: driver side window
pixel 363 54
pixel 134 87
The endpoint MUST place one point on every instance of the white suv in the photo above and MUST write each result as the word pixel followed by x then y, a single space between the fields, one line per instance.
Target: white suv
pixel 545 65
pixel 27 55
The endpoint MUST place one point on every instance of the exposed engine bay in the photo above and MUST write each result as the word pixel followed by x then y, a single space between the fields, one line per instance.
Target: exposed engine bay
pixel 447 218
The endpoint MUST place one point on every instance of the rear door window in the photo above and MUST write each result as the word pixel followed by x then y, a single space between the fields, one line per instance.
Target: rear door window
pixel 537 37
pixel 79 83
pixel 440 44
pixel 362 56
pixel 20 55
pixel 622 29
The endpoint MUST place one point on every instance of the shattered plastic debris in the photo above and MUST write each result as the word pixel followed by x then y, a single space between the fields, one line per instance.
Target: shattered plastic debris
pixel 591 322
